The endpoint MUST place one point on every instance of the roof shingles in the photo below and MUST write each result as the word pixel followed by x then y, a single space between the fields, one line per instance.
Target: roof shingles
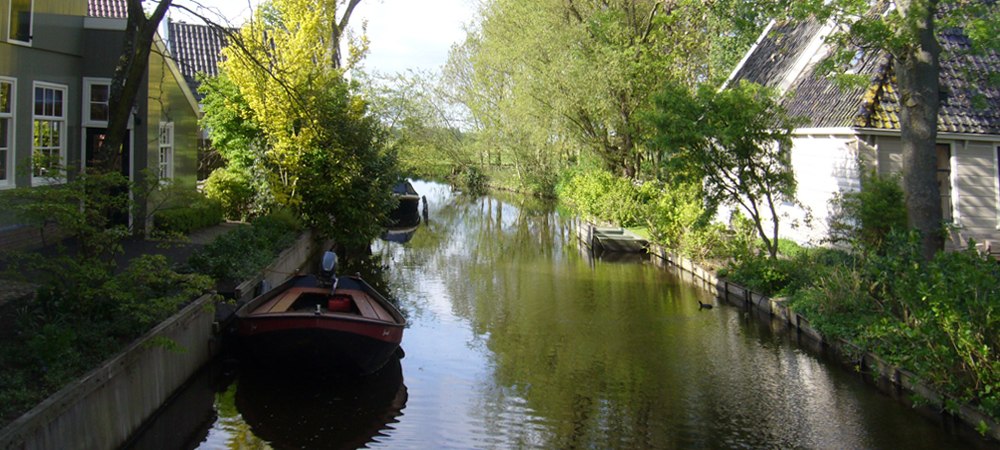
pixel 114 9
pixel 970 104
pixel 197 49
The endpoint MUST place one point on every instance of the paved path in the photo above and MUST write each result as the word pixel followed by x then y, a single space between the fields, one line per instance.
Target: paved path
pixel 176 251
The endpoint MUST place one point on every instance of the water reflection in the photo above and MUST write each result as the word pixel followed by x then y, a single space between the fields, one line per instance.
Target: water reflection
pixel 319 410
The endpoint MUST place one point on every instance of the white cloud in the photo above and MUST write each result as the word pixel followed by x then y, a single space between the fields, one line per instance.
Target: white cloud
pixel 408 34
pixel 404 34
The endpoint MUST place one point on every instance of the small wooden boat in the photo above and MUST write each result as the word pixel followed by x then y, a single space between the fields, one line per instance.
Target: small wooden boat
pixel 306 322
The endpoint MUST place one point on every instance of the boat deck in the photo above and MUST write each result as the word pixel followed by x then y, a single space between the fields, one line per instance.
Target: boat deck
pixel 305 300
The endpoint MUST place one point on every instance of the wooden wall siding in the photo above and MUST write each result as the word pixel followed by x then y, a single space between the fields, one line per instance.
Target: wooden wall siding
pixel 824 166
pixel 974 186
pixel 168 103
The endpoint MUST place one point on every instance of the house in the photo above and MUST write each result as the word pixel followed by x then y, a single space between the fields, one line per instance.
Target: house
pixel 57 58
pixel 852 124
pixel 197 50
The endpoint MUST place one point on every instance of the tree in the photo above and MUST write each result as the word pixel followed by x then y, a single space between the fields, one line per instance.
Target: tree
pixel 320 152
pixel 546 81
pixel 736 142
pixel 909 31
pixel 338 26
pixel 127 79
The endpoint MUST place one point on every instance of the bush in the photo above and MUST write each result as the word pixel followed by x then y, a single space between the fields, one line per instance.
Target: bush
pixel 82 317
pixel 866 218
pixel 240 254
pixel 234 188
pixel 598 194
pixel 938 318
pixel 475 181
pixel 784 277
pixel 195 213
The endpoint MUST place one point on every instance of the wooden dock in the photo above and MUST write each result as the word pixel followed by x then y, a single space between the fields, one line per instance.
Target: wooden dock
pixel 611 239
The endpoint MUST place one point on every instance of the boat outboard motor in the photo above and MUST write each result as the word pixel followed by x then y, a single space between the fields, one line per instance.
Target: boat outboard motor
pixel 328 271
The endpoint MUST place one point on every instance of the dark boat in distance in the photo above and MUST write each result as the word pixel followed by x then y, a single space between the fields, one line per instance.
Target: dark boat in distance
pixel 409 204
pixel 306 322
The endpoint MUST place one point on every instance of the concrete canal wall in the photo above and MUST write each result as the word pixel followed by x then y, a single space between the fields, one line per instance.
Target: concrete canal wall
pixel 105 407
pixel 894 380
pixel 101 409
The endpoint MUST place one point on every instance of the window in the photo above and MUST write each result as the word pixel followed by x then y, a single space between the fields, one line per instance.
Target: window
pixel 19 28
pixel 96 94
pixel 166 161
pixel 944 180
pixel 6 131
pixel 49 132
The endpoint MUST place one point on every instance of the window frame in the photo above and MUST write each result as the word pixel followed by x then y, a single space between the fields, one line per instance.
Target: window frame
pixel 63 126
pixel 165 164
pixel 88 84
pixel 11 116
pixel 10 22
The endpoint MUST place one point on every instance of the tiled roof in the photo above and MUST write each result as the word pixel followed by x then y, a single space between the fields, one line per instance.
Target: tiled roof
pixel 196 49
pixel 971 104
pixel 115 9
pixel 775 55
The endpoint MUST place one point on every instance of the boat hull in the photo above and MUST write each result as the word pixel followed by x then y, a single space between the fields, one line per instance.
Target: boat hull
pixel 317 343
pixel 407 211
pixel 270 336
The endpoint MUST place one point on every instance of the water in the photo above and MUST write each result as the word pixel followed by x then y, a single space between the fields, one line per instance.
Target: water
pixel 519 339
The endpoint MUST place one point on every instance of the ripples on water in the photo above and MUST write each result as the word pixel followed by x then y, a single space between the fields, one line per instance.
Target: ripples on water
pixel 518 339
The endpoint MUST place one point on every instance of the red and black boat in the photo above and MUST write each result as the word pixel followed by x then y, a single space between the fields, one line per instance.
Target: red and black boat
pixel 344 323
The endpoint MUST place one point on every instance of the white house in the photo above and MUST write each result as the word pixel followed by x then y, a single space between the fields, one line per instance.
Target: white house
pixel 844 124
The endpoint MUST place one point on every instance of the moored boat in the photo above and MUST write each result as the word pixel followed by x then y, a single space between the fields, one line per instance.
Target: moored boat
pixel 407 212
pixel 306 321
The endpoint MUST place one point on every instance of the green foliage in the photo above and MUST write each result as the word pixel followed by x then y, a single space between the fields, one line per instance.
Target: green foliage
pixel 837 302
pixel 474 180
pixel 88 207
pixel 536 86
pixel 783 277
pixel 736 142
pixel 676 219
pixel 236 191
pixel 765 275
pixel 242 253
pixel 191 212
pixel 598 194
pixel 294 131
pixel 866 218
pixel 81 316
pixel 937 318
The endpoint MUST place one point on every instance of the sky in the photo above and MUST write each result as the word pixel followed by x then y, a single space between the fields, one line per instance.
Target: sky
pixel 404 34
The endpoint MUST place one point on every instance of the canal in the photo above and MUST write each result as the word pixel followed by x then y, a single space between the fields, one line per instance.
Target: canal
pixel 518 338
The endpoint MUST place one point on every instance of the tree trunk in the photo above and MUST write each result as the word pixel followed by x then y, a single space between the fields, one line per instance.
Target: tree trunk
pixel 131 68
pixel 918 78
pixel 337 32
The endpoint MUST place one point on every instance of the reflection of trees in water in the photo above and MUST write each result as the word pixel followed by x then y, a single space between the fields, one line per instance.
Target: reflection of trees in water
pixel 571 343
